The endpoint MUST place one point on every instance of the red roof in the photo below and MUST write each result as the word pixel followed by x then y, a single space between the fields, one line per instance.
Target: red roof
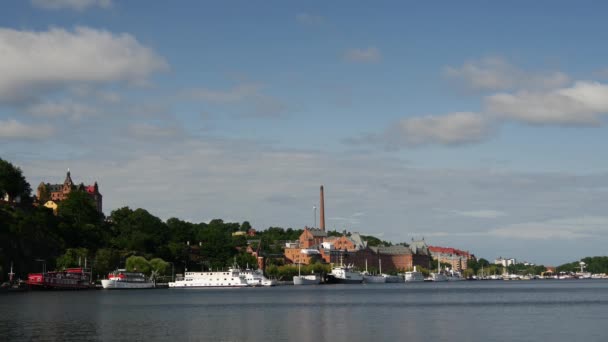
pixel 447 250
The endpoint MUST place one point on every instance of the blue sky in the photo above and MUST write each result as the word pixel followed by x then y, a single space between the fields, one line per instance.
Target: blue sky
pixel 478 126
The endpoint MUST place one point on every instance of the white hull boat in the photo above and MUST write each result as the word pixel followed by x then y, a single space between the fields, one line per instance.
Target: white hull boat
pixel 231 278
pixel 312 279
pixel 373 279
pixel 121 279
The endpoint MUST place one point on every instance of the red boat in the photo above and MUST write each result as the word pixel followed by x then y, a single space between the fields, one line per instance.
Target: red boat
pixel 69 279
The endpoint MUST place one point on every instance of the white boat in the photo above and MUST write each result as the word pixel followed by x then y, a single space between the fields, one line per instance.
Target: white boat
pixel 454 276
pixel 414 276
pixel 438 276
pixel 257 278
pixel 373 279
pixel 344 275
pixel 121 279
pixel 311 279
pixel 231 278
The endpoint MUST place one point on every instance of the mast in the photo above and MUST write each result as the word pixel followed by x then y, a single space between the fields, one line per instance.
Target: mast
pixel 11 274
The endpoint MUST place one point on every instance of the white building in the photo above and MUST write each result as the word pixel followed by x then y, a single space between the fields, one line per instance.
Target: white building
pixel 505 262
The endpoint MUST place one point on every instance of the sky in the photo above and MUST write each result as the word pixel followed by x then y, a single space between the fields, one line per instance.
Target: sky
pixel 474 125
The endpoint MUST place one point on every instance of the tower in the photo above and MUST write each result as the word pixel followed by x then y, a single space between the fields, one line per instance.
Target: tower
pixel 322 211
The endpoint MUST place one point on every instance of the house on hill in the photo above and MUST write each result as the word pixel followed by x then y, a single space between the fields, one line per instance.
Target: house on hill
pixel 58 192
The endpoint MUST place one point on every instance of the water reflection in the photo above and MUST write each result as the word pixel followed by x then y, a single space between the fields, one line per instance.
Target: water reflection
pixel 466 311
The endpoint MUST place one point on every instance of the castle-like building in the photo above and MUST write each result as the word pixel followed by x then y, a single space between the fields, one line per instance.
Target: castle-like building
pixel 50 195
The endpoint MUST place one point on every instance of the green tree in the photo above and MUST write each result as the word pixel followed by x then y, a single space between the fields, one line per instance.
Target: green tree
pixel 73 257
pixel 245 259
pixel 138 264
pixel 13 183
pixel 106 261
pixel 79 209
pixel 139 231
pixel 245 226
pixel 159 266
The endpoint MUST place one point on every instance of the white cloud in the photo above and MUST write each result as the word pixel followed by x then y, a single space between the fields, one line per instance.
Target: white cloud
pixel 581 104
pixel 77 5
pixel 449 129
pixel 13 129
pixel 368 55
pixel 69 109
pixel 486 214
pixel 33 61
pixel 309 19
pixel 497 74
pixel 565 228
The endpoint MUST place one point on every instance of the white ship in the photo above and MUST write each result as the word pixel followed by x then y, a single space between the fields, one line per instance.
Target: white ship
pixel 121 279
pixel 231 278
pixel 414 276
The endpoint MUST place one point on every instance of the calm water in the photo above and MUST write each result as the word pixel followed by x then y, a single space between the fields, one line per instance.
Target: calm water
pixel 464 311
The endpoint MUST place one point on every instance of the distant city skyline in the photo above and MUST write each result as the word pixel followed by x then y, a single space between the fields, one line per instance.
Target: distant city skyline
pixel 479 126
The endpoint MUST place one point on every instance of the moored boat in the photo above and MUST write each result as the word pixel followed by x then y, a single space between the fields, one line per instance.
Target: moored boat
pixel 373 279
pixel 69 279
pixel 344 275
pixel 231 278
pixel 393 278
pixel 438 277
pixel 311 279
pixel 414 276
pixel 121 279
pixel 257 278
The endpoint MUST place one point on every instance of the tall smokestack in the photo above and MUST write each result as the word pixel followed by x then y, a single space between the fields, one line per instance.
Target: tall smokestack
pixel 322 205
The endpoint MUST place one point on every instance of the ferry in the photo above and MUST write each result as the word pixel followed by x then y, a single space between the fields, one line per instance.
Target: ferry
pixel 231 278
pixel 69 279
pixel 121 279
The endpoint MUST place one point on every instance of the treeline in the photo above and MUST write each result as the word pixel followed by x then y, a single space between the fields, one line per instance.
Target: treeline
pixel 597 264
pixel 31 236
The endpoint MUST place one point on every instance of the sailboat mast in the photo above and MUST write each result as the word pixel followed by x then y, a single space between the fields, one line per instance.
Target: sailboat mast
pixel 10 275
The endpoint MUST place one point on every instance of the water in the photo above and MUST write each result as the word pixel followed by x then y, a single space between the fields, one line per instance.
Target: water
pixel 464 311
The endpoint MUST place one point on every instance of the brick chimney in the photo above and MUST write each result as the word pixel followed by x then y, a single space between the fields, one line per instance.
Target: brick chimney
pixel 322 214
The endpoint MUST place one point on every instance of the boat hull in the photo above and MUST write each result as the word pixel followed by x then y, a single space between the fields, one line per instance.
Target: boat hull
pixel 414 277
pixel 306 280
pixel 374 279
pixel 393 279
pixel 335 280
pixel 111 284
